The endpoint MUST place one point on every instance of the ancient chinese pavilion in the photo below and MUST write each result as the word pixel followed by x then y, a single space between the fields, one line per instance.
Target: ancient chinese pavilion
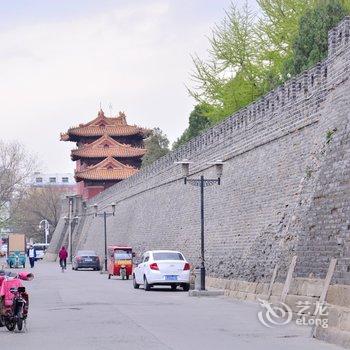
pixel 108 151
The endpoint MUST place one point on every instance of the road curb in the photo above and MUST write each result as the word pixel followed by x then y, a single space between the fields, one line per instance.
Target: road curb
pixel 205 293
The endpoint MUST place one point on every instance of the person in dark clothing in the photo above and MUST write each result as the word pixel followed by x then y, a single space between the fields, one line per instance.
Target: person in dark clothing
pixel 63 254
pixel 31 255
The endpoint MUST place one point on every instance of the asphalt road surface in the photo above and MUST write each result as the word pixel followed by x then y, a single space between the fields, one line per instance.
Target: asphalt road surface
pixel 85 310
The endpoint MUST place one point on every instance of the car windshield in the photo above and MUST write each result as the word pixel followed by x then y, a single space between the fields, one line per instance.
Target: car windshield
pixel 167 256
pixel 122 255
pixel 86 253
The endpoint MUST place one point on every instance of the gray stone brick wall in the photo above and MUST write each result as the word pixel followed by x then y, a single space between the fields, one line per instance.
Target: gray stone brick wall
pixel 278 179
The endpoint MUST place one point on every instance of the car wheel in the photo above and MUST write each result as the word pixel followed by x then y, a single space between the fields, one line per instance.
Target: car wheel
pixel 173 287
pixel 146 285
pixel 186 287
pixel 109 276
pixel 127 277
pixel 135 284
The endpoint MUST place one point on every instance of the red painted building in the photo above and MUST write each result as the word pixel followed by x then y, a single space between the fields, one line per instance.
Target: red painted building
pixel 108 151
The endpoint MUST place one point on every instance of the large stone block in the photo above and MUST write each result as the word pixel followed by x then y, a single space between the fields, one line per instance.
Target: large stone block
pixel 277 289
pixel 339 295
pixel 297 302
pixel 310 287
pixel 344 321
pixel 262 288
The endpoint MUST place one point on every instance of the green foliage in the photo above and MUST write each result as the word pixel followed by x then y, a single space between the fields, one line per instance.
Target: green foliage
pixel 311 43
pixel 250 55
pixel 308 172
pixel 230 78
pixel 198 122
pixel 329 135
pixel 246 56
pixel 157 145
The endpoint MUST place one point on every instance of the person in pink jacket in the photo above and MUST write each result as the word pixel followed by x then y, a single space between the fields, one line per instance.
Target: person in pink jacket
pixel 63 254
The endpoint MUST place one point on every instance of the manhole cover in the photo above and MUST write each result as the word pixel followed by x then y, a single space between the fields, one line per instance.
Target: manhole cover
pixel 65 308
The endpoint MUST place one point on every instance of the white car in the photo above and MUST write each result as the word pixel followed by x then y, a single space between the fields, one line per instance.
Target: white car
pixel 162 267
pixel 40 249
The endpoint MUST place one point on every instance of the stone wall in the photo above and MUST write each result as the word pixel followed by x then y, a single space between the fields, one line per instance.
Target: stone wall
pixel 284 187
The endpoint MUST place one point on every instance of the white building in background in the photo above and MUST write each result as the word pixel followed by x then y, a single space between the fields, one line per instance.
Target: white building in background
pixel 60 180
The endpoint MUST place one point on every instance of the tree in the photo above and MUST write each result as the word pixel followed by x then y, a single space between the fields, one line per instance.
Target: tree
pixel 233 63
pixel 15 167
pixel 311 42
pixel 277 28
pixel 157 145
pixel 198 122
pixel 25 217
pixel 250 55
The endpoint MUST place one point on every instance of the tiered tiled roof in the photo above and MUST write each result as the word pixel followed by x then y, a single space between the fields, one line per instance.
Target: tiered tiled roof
pixel 104 147
pixel 101 126
pixel 108 169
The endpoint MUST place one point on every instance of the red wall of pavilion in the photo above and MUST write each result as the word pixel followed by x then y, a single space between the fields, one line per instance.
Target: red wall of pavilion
pixel 88 192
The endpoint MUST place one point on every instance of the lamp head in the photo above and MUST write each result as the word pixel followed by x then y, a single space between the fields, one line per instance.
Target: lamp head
pixel 113 208
pixel 185 165
pixel 219 165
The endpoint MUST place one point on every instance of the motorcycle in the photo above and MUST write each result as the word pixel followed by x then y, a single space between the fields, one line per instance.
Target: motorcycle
pixel 14 300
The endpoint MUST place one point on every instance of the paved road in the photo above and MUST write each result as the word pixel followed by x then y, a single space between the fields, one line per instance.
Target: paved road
pixel 85 310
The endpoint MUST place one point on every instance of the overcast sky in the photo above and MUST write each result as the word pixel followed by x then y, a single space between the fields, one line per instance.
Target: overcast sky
pixel 60 58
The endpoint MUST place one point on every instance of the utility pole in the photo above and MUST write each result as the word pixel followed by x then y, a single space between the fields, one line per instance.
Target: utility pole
pixel 70 213
pixel 105 214
pixel 202 234
pixel 105 234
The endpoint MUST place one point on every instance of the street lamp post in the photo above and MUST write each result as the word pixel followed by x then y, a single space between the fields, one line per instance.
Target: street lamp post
pixel 46 228
pixel 202 183
pixel 69 219
pixel 105 214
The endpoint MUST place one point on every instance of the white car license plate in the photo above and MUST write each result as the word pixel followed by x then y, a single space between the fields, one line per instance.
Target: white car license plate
pixel 171 278
pixel 88 260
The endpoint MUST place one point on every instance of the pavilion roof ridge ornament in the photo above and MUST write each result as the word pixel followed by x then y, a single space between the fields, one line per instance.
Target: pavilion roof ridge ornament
pixel 97 131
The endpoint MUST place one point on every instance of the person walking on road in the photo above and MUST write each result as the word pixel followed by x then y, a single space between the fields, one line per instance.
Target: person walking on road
pixel 31 255
pixel 63 254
